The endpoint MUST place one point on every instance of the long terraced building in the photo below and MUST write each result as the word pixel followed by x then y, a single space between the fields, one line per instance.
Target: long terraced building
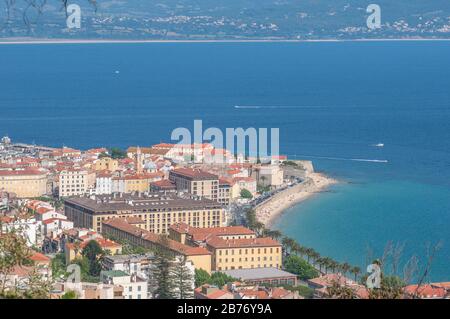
pixel 158 210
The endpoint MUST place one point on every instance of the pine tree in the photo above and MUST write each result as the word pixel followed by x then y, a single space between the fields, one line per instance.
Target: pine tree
pixel 162 271
pixel 182 278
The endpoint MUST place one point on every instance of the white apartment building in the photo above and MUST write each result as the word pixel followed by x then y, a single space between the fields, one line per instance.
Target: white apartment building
pixel 28 228
pixel 73 182
pixel 134 287
pixel 103 184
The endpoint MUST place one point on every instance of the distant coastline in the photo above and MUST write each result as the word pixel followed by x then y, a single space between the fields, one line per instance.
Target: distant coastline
pixel 100 41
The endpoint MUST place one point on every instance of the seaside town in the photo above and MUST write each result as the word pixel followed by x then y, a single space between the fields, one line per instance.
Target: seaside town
pixel 162 222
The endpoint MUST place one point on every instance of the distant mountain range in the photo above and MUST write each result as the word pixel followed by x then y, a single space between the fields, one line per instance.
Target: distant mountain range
pixel 228 19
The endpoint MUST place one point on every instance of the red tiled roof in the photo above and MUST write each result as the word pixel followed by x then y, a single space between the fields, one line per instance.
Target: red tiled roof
pixel 21 271
pixel 51 220
pixel 213 295
pixel 104 173
pixel 278 293
pixel 194 173
pixel 121 224
pixel 104 243
pixel 426 291
pixel 224 181
pixel 244 179
pixel 38 257
pixel 24 172
pixel 199 234
pixel 97 150
pixel 144 176
pixel 43 210
pixel 6 219
pixel 164 183
pixel 217 242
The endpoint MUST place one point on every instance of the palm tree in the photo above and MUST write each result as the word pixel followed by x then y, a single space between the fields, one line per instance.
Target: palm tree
pixel 320 262
pixel 315 255
pixel 345 267
pixel 334 265
pixel 309 252
pixel 259 228
pixel 302 251
pixel 274 234
pixel 288 243
pixel 295 248
pixel 328 262
pixel 355 271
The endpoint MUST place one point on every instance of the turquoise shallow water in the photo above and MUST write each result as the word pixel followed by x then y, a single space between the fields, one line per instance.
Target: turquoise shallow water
pixel 362 218
pixel 331 101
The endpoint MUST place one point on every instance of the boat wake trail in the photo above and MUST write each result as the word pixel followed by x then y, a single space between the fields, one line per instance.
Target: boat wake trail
pixel 341 158
pixel 300 106
pixel 278 106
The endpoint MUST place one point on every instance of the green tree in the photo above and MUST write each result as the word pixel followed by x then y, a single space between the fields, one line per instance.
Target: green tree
pixel 304 291
pixel 13 252
pixel 38 287
pixel 288 243
pixel 251 219
pixel 201 277
pixel 300 267
pixel 220 279
pixel 161 272
pixel 245 193
pixel 274 234
pixel 345 267
pixel 94 254
pixel 117 153
pixel 182 279
pixel 70 295
pixel 59 266
pixel 84 264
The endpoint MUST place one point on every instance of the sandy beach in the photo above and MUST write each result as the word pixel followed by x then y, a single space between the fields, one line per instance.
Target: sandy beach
pixel 315 183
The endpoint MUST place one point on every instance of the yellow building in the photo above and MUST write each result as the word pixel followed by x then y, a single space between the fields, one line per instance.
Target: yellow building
pixel 158 210
pixel 196 182
pixel 106 164
pixel 244 253
pixel 119 228
pixel 26 183
pixel 232 247
pixel 74 250
pixel 135 183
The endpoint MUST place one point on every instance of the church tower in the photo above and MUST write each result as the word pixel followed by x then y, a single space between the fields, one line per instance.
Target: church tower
pixel 139 168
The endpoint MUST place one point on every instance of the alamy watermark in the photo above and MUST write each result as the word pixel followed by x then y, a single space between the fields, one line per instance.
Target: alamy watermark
pixel 374 19
pixel 374 279
pixel 251 143
pixel 73 20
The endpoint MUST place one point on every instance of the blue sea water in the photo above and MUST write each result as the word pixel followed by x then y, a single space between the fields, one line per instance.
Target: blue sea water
pixel 331 101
